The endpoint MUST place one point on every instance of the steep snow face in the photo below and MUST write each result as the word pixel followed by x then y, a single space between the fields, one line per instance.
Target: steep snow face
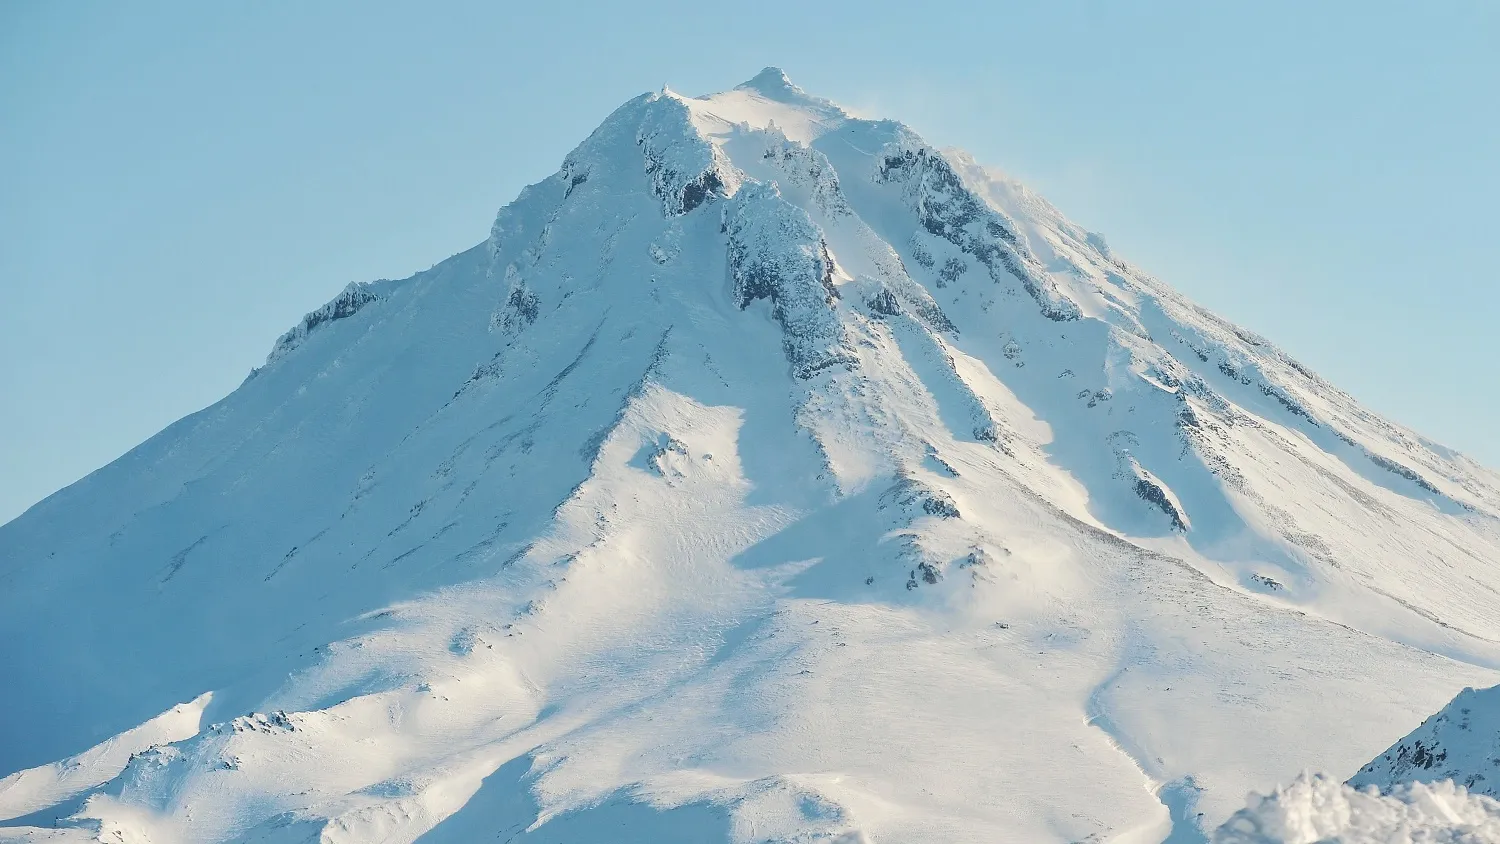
pixel 1460 743
pixel 766 475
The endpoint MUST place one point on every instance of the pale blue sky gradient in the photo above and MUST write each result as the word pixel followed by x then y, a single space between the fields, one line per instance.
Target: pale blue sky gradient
pixel 180 182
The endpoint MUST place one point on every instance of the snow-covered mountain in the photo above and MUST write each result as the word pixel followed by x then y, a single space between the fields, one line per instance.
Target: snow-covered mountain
pixel 766 475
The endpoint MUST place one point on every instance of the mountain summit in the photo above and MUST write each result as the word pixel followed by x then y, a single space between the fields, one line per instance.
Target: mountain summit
pixel 766 475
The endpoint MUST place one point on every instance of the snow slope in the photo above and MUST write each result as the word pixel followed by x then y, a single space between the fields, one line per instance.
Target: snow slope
pixel 766 475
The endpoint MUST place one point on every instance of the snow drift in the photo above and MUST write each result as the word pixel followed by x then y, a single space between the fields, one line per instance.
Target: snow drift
pixel 1317 810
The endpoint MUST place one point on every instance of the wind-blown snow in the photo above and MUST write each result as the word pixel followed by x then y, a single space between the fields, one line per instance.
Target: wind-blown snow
pixel 766 475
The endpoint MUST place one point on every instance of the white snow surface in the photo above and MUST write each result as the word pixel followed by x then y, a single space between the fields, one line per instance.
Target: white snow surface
pixel 766 475
pixel 1318 810
pixel 38 788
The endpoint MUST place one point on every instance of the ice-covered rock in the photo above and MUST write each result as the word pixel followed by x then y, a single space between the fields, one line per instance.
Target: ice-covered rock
pixel 350 301
pixel 1461 742
pixel 776 253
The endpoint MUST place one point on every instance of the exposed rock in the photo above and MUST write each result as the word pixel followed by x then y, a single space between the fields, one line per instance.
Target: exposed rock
pixel 1460 742
pixel 349 302
pixel 777 253
pixel 948 210
pixel 685 169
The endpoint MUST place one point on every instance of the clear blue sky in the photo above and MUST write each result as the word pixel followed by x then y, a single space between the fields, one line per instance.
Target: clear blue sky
pixel 180 182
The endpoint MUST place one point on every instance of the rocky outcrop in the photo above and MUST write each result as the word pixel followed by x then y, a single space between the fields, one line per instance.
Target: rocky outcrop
pixel 777 253
pixel 949 210
pixel 685 169
pixel 349 302
pixel 1461 742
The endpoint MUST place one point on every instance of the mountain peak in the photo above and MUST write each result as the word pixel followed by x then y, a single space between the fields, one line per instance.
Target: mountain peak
pixel 769 97
pixel 770 80
pixel 773 84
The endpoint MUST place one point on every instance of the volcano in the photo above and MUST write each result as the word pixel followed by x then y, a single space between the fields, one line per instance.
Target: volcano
pixel 767 475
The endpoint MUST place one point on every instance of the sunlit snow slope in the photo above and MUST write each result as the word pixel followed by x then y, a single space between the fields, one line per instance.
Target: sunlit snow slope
pixel 767 475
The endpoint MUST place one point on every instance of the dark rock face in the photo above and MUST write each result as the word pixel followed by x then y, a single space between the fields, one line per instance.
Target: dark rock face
pixel 940 504
pixel 1154 494
pixel 345 305
pixel 948 210
pixel 777 253
pixel 574 173
pixel 521 309
pixel 1285 401
pixel 351 301
pixel 1461 742
pixel 684 170
pixel 929 573
pixel 1409 474
pixel 884 303
pixel 1267 581
pixel 696 191
pixel 953 269
pixel 912 495
pixel 804 166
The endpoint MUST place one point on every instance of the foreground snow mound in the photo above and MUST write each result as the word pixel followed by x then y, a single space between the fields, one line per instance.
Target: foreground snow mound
pixel 1461 742
pixel 1319 810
